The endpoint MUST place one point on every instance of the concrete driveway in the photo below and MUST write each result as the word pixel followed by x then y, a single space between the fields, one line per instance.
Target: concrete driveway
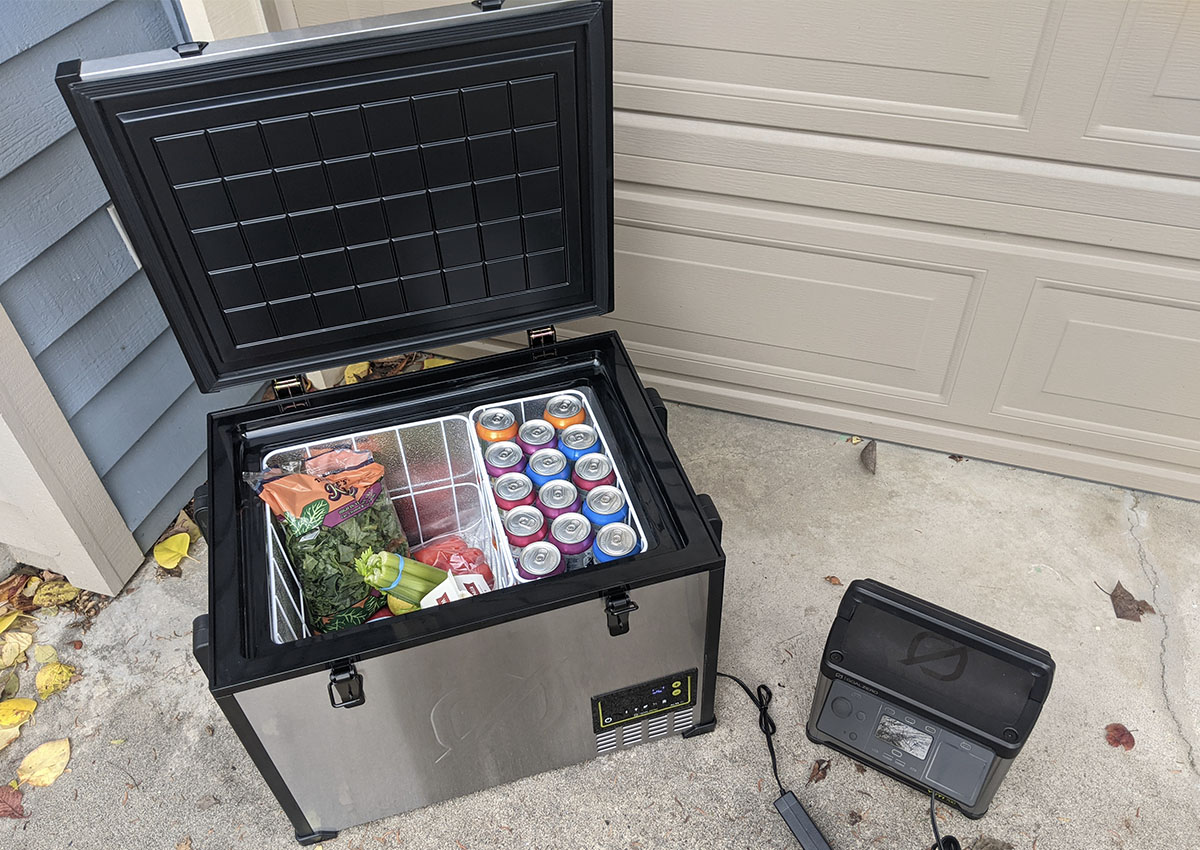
pixel 154 764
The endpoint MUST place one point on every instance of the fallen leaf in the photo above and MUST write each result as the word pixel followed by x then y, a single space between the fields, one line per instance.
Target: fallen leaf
pixel 185 844
pixel 209 731
pixel 116 742
pixel 834 580
pixel 45 764
pixel 956 458
pixel 11 684
pixel 44 653
pixel 355 372
pixel 12 645
pixel 867 456
pixel 54 593
pixel 12 586
pixel 1118 736
pixel 76 644
pixel 1126 607
pixel 171 551
pixel 53 678
pixel 985 842
pixel 14 712
pixel 7 736
pixel 11 803
pixel 820 770
pixel 8 619
pixel 861 768
pixel 30 587
pixel 183 522
pixel 854 441
pixel 207 802
pixel 854 818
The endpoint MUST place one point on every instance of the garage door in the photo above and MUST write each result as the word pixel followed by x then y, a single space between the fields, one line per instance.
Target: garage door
pixel 966 226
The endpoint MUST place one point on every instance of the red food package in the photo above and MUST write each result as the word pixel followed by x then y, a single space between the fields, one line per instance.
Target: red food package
pixel 452 554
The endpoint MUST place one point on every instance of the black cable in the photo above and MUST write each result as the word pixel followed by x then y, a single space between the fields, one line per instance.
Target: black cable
pixel 939 843
pixel 766 723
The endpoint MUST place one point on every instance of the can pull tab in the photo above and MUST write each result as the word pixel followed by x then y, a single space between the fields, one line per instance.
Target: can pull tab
pixel 345 686
pixel 618 607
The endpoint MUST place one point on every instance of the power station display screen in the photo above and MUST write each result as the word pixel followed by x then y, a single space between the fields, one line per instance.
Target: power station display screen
pixel 935 669
pixel 903 737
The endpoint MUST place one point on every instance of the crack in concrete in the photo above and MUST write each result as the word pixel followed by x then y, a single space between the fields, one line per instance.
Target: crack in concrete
pixel 1133 514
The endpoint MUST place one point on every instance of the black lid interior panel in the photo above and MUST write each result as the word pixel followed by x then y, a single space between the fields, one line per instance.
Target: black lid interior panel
pixel 314 206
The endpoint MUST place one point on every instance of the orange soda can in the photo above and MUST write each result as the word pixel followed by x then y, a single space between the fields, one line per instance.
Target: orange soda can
pixel 496 425
pixel 563 411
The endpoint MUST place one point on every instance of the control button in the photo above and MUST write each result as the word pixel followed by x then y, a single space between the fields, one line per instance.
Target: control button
pixel 930 730
pixel 890 711
pixel 608 720
pixel 862 716
pixel 911 721
pixel 853 736
pixel 898 754
pixel 676 692
pixel 677 684
pixel 841 707
pixel 965 745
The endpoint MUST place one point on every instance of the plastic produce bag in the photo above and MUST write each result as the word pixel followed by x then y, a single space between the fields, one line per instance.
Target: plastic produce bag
pixel 459 553
pixel 329 513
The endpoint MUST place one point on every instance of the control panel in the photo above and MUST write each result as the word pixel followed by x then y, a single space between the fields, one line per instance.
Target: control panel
pixel 668 693
pixel 935 757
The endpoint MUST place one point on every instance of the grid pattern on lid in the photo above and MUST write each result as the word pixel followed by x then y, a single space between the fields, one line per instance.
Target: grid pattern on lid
pixel 329 218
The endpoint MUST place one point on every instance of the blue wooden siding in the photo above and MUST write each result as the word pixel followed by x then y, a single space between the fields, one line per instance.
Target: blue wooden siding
pixel 79 301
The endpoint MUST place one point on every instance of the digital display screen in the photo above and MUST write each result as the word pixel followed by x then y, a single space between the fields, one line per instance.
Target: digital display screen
pixel 936 670
pixel 903 737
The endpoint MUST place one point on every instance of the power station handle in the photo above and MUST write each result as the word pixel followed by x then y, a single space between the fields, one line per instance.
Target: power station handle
pixel 708 510
pixel 200 508
pixel 658 406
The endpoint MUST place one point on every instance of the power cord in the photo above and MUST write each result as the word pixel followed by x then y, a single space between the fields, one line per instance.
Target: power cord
pixel 766 723
pixel 939 843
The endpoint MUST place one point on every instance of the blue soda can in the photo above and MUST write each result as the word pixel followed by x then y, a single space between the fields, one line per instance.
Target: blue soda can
pixel 547 465
pixel 615 540
pixel 604 505
pixel 577 441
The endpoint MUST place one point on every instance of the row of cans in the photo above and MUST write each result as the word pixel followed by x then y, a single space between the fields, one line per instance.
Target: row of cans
pixel 498 424
pixel 571 543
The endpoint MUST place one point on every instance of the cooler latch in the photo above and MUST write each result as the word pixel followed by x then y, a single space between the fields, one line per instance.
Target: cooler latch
pixel 289 392
pixel 618 607
pixel 542 340
pixel 345 686
pixel 190 48
pixel 487 5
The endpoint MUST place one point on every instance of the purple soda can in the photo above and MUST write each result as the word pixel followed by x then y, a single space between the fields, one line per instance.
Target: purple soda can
pixel 512 490
pixel 573 535
pixel 502 458
pixel 556 498
pixel 539 560
pixel 535 435
pixel 524 525
pixel 592 471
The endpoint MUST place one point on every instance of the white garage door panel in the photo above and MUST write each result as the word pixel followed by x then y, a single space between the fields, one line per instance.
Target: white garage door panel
pixel 707 294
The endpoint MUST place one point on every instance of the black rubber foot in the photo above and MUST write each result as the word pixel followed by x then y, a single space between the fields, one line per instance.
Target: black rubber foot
pixel 316 837
pixel 702 729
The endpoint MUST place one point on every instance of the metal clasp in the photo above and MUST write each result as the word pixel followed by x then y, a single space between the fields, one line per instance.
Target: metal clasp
pixel 289 388
pixel 542 340
pixel 345 686
pixel 487 5
pixel 618 607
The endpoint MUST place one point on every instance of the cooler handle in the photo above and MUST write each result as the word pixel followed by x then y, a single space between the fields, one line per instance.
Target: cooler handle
pixel 200 645
pixel 658 405
pixel 708 510
pixel 200 508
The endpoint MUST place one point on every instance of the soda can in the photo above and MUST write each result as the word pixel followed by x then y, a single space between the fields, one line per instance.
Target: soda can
pixel 573 535
pixel 502 458
pixel 522 526
pixel 512 490
pixel 539 560
pixel 534 435
pixel 563 411
pixel 547 465
pixel 556 498
pixel 592 471
pixel 577 441
pixel 614 541
pixel 605 504
pixel 496 425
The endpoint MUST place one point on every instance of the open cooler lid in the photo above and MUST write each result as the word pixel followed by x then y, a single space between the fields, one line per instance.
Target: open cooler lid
pixel 346 192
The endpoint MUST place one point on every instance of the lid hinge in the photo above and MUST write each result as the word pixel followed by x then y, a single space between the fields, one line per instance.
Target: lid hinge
pixel 543 340
pixel 488 5
pixel 289 392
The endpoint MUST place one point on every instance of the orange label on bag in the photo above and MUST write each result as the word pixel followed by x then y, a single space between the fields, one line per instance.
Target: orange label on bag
pixel 327 493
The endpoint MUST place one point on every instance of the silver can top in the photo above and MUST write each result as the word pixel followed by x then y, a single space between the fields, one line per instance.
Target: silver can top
pixel 579 437
pixel 563 406
pixel 503 455
pixel 536 432
pixel 540 558
pixel 570 528
pixel 593 467
pixel 497 419
pixel 524 521
pixel 557 494
pixel 513 486
pixel 547 461
pixel 606 500
pixel 616 540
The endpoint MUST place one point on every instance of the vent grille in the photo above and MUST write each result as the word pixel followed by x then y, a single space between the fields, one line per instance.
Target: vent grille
pixel 645 730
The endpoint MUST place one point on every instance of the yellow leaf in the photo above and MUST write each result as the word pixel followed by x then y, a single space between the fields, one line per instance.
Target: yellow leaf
pixel 7 736
pixel 30 587
pixel 45 764
pixel 52 678
pixel 430 362
pixel 12 645
pixel 8 619
pixel 117 741
pixel 14 712
pixel 52 593
pixel 171 551
pixel 355 372
pixel 44 653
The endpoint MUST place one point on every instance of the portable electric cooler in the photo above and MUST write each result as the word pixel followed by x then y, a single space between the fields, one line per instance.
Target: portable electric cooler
pixel 336 194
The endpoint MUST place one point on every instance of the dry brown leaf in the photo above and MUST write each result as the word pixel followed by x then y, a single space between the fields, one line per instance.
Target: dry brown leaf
pixel 11 684
pixel 7 736
pixel 1118 736
pixel 861 768
pixel 867 457
pixel 820 770
pixel 11 803
pixel 185 843
pixel 12 646
pixel 12 586
pixel 45 764
pixel 53 678
pixel 54 593
pixel 956 458
pixel 854 818
pixel 834 580
pixel 1128 608
pixel 183 523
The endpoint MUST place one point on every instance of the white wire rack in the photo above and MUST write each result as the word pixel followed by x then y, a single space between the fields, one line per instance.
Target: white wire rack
pixel 434 476
pixel 533 407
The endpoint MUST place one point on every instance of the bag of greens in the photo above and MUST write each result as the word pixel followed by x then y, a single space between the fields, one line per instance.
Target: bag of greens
pixel 329 513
